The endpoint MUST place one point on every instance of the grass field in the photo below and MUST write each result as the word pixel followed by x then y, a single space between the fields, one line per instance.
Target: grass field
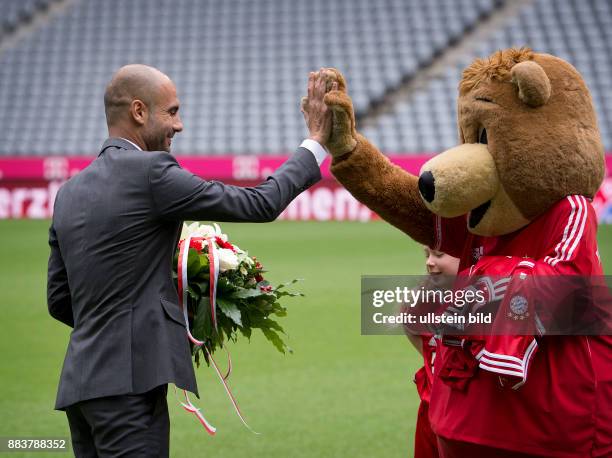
pixel 340 394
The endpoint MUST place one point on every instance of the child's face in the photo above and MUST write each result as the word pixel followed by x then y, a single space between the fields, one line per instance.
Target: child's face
pixel 439 263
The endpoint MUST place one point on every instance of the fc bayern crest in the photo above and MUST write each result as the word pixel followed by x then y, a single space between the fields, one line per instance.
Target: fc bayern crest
pixel 519 308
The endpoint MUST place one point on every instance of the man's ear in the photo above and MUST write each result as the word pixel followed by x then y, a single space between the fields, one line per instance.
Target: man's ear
pixel 139 112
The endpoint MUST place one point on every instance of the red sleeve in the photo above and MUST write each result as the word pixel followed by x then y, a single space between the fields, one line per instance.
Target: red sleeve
pixel 509 356
pixel 511 345
pixel 450 235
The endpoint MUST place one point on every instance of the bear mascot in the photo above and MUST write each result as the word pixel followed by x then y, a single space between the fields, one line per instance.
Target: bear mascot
pixel 513 196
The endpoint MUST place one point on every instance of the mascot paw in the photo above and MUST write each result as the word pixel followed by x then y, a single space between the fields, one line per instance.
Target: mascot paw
pixel 343 134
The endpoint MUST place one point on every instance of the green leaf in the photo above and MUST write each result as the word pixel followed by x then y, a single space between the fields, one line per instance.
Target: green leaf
pixel 246 332
pixel 283 285
pixel 204 272
pixel 279 310
pixel 193 263
pixel 202 325
pixel 223 285
pixel 245 293
pixel 202 286
pixel 194 292
pixel 230 310
pixel 275 339
pixel 274 325
pixel 280 294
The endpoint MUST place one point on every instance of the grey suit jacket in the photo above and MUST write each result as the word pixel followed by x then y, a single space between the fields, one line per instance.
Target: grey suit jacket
pixel 113 236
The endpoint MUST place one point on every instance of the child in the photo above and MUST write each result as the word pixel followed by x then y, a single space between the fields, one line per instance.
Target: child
pixel 437 263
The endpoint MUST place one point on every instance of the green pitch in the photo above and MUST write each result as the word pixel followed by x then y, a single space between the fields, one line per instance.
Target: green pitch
pixel 340 394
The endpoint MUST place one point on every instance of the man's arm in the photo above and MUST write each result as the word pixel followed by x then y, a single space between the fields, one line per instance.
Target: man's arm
pixel 58 291
pixel 180 195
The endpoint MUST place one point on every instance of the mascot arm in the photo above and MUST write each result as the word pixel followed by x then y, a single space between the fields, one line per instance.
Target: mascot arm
pixel 386 189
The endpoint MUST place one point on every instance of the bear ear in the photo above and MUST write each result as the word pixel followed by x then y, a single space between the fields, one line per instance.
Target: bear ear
pixel 532 81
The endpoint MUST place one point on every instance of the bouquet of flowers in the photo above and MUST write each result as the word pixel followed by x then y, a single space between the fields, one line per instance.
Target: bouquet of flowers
pixel 225 291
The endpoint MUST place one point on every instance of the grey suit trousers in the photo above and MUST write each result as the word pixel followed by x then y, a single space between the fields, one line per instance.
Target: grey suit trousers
pixel 130 425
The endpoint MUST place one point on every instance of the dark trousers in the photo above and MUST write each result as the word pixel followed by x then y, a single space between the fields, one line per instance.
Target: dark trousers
pixel 132 425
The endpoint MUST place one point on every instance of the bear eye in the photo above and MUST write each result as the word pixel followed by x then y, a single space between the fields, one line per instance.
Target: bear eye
pixel 484 99
pixel 482 136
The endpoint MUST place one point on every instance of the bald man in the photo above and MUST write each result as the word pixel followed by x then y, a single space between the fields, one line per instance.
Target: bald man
pixel 114 233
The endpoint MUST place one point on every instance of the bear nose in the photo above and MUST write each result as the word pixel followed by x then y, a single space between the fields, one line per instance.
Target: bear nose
pixel 427 186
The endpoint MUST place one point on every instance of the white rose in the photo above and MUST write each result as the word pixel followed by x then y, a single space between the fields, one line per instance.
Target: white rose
pixel 227 259
pixel 247 259
pixel 187 229
pixel 205 231
pixel 243 257
pixel 197 230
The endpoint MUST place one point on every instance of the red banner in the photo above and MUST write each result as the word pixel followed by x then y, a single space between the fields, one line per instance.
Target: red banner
pixel 28 185
pixel 235 168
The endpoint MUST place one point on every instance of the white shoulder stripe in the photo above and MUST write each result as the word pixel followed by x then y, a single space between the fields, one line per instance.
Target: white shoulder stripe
pixel 573 233
pixel 565 231
pixel 581 231
pixel 571 238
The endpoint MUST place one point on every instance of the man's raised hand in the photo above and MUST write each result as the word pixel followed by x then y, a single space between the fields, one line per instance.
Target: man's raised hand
pixel 316 113
pixel 342 138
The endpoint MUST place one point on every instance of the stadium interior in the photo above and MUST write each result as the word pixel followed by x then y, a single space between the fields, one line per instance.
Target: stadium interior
pixel 241 68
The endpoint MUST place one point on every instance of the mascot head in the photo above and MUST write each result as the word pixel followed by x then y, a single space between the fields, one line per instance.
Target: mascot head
pixel 529 137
